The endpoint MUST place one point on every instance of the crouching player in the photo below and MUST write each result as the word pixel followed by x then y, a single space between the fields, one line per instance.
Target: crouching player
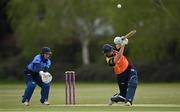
pixel 37 73
pixel 125 73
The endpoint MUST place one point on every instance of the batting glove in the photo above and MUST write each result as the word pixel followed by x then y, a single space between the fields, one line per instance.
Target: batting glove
pixel 124 41
pixel 118 40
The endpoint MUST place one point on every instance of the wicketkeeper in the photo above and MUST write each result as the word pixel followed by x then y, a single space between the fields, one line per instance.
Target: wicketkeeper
pixel 37 73
pixel 125 72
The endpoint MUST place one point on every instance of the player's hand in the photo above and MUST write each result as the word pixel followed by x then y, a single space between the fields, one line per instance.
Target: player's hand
pixel 124 42
pixel 118 40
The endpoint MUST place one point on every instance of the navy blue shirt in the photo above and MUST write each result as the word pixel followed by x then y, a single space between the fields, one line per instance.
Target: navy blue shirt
pixel 38 64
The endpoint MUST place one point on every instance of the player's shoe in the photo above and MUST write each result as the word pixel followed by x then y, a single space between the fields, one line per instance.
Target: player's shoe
pixel 46 103
pixel 26 103
pixel 117 98
pixel 128 103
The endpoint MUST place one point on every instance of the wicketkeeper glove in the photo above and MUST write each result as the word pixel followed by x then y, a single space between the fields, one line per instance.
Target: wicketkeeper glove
pixel 46 77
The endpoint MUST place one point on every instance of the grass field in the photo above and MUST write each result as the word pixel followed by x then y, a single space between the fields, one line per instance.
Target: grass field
pixel 94 97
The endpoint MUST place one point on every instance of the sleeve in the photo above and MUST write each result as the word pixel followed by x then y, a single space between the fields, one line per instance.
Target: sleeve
pixel 36 59
pixel 110 61
pixel 37 67
pixel 36 64
pixel 47 66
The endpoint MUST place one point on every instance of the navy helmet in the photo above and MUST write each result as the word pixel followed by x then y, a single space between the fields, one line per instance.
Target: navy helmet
pixel 46 50
pixel 107 49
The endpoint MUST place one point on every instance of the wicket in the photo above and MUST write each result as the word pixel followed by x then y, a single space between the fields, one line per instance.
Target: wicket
pixel 70 87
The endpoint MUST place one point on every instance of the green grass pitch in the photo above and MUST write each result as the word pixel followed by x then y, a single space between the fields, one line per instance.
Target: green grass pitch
pixel 93 97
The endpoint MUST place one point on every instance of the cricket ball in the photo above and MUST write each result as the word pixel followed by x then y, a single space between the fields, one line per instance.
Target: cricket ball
pixel 119 6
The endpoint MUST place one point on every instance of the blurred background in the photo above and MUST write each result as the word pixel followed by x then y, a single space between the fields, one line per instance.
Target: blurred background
pixel 76 30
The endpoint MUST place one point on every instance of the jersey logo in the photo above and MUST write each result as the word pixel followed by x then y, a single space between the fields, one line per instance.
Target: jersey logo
pixel 132 70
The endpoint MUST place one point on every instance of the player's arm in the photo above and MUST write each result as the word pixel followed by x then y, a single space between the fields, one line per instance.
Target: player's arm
pixel 46 68
pixel 36 64
pixel 37 67
pixel 120 54
pixel 120 44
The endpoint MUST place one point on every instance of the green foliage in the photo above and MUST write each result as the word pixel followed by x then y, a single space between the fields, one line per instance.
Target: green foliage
pixel 155 27
pixel 39 23
pixel 64 24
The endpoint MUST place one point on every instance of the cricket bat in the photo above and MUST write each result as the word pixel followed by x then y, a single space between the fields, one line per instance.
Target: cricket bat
pixel 130 34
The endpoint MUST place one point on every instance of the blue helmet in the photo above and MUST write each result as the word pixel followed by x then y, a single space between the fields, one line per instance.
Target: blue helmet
pixel 107 49
pixel 46 50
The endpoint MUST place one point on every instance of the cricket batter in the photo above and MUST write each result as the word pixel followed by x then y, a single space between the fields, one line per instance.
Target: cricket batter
pixel 37 73
pixel 125 72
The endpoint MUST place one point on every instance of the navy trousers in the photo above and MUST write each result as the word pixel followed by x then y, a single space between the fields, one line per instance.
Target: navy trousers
pixel 127 82
pixel 32 79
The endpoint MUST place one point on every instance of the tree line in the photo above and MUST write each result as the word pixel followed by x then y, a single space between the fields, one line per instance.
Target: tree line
pixel 77 29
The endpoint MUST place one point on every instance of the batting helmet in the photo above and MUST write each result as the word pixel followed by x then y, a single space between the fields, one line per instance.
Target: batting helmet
pixel 107 49
pixel 46 50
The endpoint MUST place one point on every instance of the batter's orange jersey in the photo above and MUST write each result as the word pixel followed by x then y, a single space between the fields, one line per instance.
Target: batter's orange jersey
pixel 120 66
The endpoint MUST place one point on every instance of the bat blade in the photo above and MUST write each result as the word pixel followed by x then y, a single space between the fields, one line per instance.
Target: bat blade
pixel 130 34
